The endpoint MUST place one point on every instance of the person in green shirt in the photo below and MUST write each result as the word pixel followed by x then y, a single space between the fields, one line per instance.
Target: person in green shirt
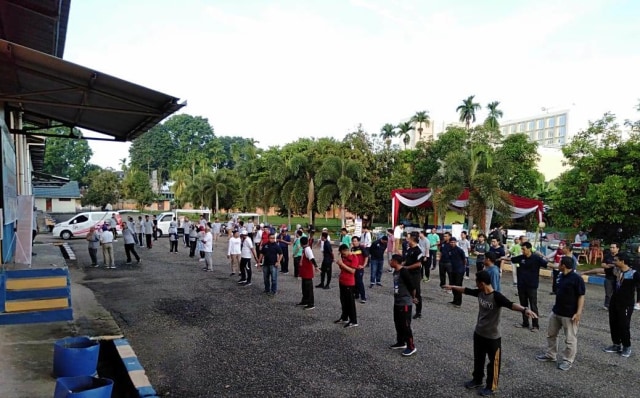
pixel 515 250
pixel 434 241
pixel 296 252
pixel 345 238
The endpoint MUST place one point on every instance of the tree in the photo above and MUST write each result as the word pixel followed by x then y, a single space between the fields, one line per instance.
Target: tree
pixel 420 119
pixel 214 185
pixel 601 192
pixel 341 180
pixel 136 186
pixel 471 168
pixel 67 157
pixel 494 114
pixel 517 159
pixel 153 150
pixel 387 132
pixel 468 110
pixel 104 189
pixel 404 130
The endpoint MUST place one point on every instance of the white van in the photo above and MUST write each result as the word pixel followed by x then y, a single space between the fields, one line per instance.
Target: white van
pixel 78 225
pixel 164 219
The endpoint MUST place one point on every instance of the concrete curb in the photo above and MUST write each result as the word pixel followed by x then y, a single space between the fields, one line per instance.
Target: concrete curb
pixel 136 372
pixel 593 280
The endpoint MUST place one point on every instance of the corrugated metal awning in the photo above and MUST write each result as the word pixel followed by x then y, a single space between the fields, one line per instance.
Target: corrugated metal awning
pixel 48 89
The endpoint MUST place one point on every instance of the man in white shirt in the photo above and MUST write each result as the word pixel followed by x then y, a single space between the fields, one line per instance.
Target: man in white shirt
pixel 207 247
pixel 397 237
pixel 106 241
pixel 257 237
pixel 246 253
pixel 216 227
pixel 186 226
pixel 250 227
pixel 148 230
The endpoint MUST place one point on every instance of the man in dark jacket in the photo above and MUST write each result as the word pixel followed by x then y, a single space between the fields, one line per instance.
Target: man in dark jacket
pixel 376 251
pixel 458 265
pixel 327 260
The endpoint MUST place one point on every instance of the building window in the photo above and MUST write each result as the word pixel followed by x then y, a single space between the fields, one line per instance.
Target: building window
pixel 540 123
pixel 549 133
pixel 531 125
pixel 561 141
pixel 513 128
pixel 64 199
pixel 561 131
pixel 551 122
pixel 540 135
pixel 562 120
pixel 532 136
pixel 504 131
pixel 521 128
pixel 550 141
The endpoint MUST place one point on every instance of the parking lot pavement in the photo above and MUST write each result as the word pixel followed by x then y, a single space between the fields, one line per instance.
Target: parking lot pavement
pixel 199 334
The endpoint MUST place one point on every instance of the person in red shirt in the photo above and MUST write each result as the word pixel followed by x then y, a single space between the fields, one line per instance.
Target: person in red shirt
pixel 308 267
pixel 348 263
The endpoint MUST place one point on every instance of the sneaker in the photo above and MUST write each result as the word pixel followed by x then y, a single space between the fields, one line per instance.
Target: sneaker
pixel 95 265
pixel 350 325
pixel 371 285
pixel 112 267
pixel 544 358
pixel 340 320
pixel 139 260
pixel 466 277
pixel 301 304
pixel 486 392
pixel 409 351
pixel 613 348
pixel 564 365
pixel 128 262
pixel 534 330
pixel 417 316
pixel 521 326
pixel 241 281
pixel 454 304
pixel 378 284
pixel 425 280
pixel 326 287
pixel 471 384
pixel 637 306
pixel 309 307
pixel 363 301
pixel 201 260
pixel 319 286
pixel 398 346
pixel 605 308
pixel 232 274
pixel 246 284
pixel 626 352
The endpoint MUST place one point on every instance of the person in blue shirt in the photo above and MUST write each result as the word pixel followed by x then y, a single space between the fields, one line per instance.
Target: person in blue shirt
pixel 489 265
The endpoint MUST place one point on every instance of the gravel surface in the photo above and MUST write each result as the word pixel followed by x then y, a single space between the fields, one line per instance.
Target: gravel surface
pixel 199 334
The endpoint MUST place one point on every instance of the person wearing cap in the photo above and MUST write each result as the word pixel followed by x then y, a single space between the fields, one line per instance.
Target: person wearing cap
pixel 308 267
pixel 404 296
pixel 270 257
pixel 566 314
pixel 106 241
pixel 234 250
pixel 247 251
pixel 487 341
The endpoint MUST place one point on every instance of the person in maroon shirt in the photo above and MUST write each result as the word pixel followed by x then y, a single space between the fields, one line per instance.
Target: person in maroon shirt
pixel 348 263
pixel 308 267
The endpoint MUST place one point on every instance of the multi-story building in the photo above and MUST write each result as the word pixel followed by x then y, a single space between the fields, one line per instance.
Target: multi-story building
pixel 549 130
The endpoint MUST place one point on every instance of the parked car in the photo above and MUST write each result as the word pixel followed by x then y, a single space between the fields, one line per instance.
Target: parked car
pixel 78 225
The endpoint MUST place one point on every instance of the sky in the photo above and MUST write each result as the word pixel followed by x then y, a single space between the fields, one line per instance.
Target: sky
pixel 279 70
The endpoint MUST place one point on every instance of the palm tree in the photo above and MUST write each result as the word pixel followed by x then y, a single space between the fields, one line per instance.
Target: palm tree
pixel 468 111
pixel 404 130
pixel 494 114
pixel 472 169
pixel 341 180
pixel 387 132
pixel 214 185
pixel 181 179
pixel 419 119
pixel 265 191
pixel 300 169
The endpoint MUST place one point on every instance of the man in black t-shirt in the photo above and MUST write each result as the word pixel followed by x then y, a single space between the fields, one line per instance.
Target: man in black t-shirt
pixel 566 314
pixel 528 268
pixel 608 267
pixel 270 257
pixel 413 263
pixel 376 251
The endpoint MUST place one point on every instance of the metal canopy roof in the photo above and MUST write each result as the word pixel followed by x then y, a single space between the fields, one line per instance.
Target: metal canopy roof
pixel 48 89
pixel 37 24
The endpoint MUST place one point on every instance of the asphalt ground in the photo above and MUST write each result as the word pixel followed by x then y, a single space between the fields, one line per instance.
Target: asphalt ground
pixel 199 334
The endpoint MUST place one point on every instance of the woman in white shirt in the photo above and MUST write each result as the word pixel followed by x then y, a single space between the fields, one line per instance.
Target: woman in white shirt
pixel 234 251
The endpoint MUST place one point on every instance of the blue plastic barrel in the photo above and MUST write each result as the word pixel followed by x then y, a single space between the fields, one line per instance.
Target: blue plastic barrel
pixel 75 356
pixel 83 387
